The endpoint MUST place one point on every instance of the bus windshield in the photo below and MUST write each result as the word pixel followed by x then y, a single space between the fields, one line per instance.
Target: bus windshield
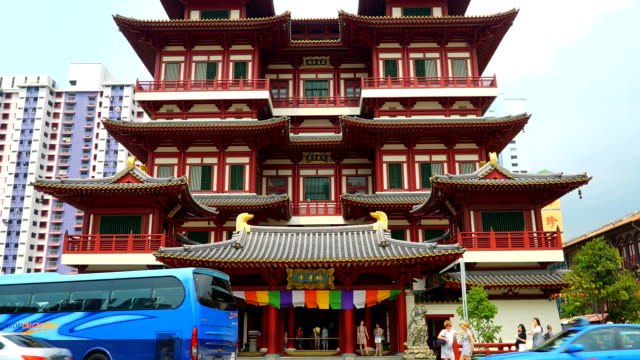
pixel 214 292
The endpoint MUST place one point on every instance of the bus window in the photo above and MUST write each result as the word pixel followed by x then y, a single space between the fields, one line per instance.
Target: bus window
pixel 14 298
pixel 168 293
pixel 50 297
pixel 130 294
pixel 89 296
pixel 214 292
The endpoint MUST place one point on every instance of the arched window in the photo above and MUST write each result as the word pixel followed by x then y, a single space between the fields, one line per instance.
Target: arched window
pixel 631 245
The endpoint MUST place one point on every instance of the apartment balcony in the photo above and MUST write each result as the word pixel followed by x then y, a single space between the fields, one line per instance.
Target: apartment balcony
pixel 125 243
pixel 316 208
pixel 316 105
pixel 436 87
pixel 514 247
pixel 171 90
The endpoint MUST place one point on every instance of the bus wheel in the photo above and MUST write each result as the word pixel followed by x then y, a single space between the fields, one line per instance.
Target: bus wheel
pixel 97 356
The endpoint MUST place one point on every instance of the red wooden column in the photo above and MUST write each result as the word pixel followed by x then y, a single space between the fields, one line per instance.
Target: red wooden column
pixel 291 328
pixel 378 168
pixel 411 168
pixel 348 341
pixel 182 167
pixel 221 169
pixel 253 170
pixel 263 328
pixel 272 330
pixel 369 324
pixel 401 307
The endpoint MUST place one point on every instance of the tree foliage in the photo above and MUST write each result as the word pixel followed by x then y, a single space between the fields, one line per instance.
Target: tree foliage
pixel 599 284
pixel 481 314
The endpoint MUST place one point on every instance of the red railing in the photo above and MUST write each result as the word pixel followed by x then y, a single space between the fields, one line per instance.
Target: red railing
pixel 203 85
pixel 515 240
pixel 125 243
pixel 487 349
pixel 316 208
pixel 429 82
pixel 316 101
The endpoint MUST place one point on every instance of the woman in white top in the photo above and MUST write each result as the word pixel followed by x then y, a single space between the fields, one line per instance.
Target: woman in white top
pixel 446 350
pixel 536 332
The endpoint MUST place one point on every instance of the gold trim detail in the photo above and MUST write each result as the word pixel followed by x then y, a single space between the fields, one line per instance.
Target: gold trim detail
pixel 383 221
pixel 493 158
pixel 241 221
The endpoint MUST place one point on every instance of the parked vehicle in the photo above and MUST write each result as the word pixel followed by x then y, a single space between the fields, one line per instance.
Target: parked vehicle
pixel 16 346
pixel 611 341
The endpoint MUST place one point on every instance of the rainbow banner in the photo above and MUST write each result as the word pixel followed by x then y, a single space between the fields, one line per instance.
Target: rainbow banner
pixel 321 299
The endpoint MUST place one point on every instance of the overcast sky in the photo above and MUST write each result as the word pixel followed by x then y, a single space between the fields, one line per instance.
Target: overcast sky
pixel 574 61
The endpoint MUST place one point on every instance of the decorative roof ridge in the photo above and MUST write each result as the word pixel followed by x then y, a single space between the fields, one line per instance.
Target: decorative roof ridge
pixel 443 120
pixel 286 14
pixel 134 171
pixel 195 123
pixel 310 229
pixel 511 272
pixel 488 167
pixel 421 245
pixel 238 196
pixel 503 13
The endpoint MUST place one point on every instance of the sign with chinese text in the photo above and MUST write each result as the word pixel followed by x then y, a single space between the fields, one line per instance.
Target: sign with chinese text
pixel 310 279
pixel 317 158
pixel 315 62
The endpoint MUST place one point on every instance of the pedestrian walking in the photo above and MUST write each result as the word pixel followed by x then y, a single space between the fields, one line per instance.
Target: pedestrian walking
pixel 536 332
pixel 549 334
pixel 299 339
pixel 466 341
pixel 325 338
pixel 378 337
pixel 362 337
pixel 316 336
pixel 521 338
pixel 446 350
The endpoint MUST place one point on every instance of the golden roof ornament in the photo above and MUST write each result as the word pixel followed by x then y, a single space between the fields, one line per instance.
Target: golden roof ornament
pixel 383 221
pixel 241 221
pixel 493 158
pixel 131 162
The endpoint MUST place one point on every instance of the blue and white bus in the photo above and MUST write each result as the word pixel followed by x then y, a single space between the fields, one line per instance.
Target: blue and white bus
pixel 173 314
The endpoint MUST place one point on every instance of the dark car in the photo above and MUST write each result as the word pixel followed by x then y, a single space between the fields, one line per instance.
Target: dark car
pixel 611 341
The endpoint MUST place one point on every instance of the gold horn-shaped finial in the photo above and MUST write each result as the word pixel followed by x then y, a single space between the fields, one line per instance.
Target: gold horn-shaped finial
pixel 383 221
pixel 131 162
pixel 493 158
pixel 241 221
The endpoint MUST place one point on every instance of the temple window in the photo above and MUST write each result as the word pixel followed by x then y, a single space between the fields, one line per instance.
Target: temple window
pixel 428 169
pixel 200 178
pixel 280 89
pixel 276 185
pixel 502 221
pixel 165 171
pixel 201 237
pixel 398 234
pixel 356 185
pixel 316 188
pixel 425 68
pixel 316 88
pixel 467 167
pixel 120 224
pixel 459 67
pixel 206 70
pixel 240 70
pixel 352 88
pixel 172 71
pixel 417 11
pixel 430 234
pixel 214 14
pixel 390 68
pixel 237 177
pixel 394 171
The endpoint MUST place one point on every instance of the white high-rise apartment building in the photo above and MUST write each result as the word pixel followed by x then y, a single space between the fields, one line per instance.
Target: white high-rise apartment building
pixel 47 132
pixel 511 158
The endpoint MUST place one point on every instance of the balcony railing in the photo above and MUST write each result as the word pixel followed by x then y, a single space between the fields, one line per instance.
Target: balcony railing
pixel 429 82
pixel 316 208
pixel 125 243
pixel 514 240
pixel 316 101
pixel 203 85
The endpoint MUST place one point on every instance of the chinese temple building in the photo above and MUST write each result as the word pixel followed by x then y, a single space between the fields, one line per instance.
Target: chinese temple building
pixel 337 169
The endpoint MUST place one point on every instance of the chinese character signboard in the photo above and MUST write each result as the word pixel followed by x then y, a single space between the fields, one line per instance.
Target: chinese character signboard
pixel 316 62
pixel 310 279
pixel 316 158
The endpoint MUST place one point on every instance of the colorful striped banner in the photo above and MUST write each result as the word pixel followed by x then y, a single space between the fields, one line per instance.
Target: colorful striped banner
pixel 322 299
